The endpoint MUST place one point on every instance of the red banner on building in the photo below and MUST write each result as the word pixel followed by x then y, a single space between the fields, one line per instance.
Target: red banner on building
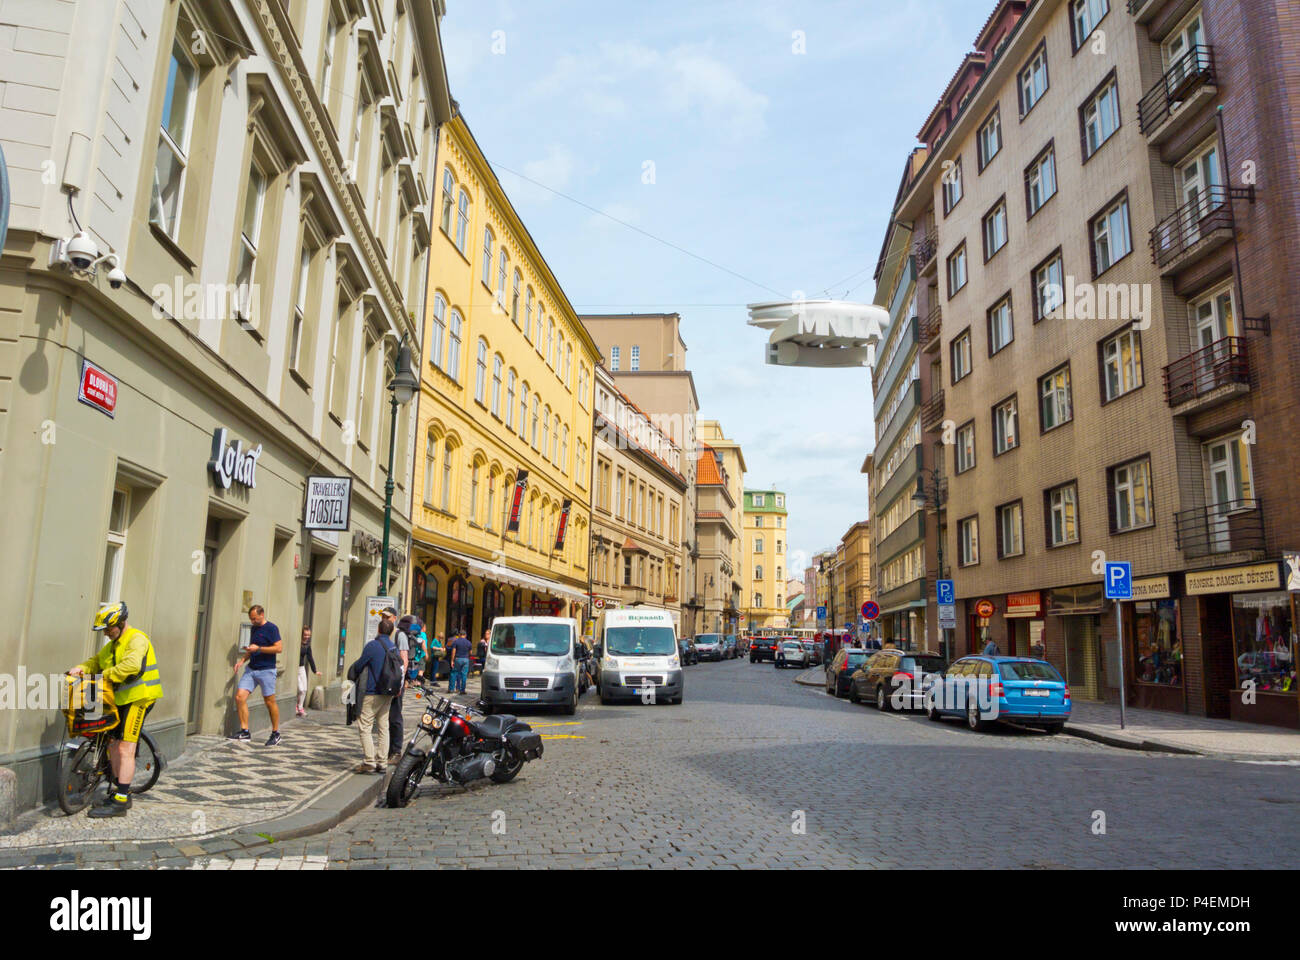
pixel 517 502
pixel 563 526
pixel 98 388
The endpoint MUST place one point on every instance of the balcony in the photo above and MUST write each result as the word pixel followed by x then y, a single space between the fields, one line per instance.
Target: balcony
pixel 924 250
pixel 1231 532
pixel 1143 10
pixel 932 414
pixel 930 330
pixel 1207 376
pixel 1196 228
pixel 1173 102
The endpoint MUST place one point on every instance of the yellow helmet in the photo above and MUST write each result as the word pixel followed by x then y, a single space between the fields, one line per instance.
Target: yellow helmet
pixel 110 615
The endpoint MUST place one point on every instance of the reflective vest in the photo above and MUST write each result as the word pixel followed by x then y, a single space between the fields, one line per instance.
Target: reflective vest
pixel 145 685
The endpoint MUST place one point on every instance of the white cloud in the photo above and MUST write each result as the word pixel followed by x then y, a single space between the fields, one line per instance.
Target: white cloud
pixel 555 169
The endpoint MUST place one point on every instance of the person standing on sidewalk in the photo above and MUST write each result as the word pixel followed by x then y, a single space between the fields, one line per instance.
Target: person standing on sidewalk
pixel 480 654
pixel 402 636
pixel 305 660
pixel 458 650
pixel 374 703
pixel 263 645
pixel 437 650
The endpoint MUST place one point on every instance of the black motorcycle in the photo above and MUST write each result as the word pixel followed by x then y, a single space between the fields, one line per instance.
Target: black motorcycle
pixel 453 747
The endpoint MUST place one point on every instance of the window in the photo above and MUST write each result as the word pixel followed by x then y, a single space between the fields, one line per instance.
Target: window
pixel 491 500
pixel 555 441
pixel 453 346
pixel 995 229
pixel 487 257
pixel 448 201
pixel 446 477
pixel 618 499
pixel 1001 329
pixel 564 449
pixel 1130 501
pixel 510 399
pixel 439 330
pixel 480 376
pixel 1033 80
pixel 497 364
pixel 1084 17
pixel 1099 117
pixel 462 220
pixel 1049 286
pixel 1121 364
pixel 961 359
pixel 780 502
pixel 430 467
pixel 758 523
pixel 249 234
pixel 537 337
pixel 613 358
pixel 503 267
pixel 473 494
pixel 1055 406
pixel 1040 180
pixel 965 450
pixel 952 187
pixel 1062 515
pixel 536 411
pixel 758 572
pixel 957 270
pixel 177 126
pixel 1011 533
pixel 758 544
pixel 298 330
pixel 115 546
pixel 567 350
pixel 1111 240
pixel 514 299
pixel 1006 434
pixel 989 140
pixel 546 429
pixel 968 541
pixel 523 411
pixel 582 385
pixel 759 500
pixel 635 358
pixel 327 57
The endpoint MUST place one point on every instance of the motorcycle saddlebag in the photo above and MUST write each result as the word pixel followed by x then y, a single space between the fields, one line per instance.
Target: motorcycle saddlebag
pixel 527 743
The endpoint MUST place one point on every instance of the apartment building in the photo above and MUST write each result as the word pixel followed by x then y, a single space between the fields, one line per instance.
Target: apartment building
pixel 716 535
pixel 639 492
pixel 1098 227
pixel 503 523
pixel 257 178
pixel 765 572
pixel 856 548
pixel 732 459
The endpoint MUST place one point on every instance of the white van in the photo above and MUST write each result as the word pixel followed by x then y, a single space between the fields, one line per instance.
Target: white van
pixel 638 652
pixel 532 660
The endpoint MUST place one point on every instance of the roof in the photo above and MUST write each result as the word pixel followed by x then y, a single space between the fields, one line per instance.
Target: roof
pixel 710 471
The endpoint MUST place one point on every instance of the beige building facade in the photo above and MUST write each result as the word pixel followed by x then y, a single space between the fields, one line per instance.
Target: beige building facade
pixel 732 459
pixel 716 535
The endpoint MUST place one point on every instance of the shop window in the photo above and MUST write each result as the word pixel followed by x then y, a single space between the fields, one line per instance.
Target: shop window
pixel 1264 637
pixel 460 607
pixel 1158 648
pixel 424 591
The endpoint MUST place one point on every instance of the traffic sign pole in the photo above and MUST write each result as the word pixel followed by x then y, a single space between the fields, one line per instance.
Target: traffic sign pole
pixel 1119 630
pixel 1119 587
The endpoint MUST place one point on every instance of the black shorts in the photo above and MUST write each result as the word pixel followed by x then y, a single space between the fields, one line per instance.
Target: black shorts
pixel 131 721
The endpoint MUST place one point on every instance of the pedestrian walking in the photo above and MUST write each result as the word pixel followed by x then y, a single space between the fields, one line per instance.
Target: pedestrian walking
pixel 403 641
pixel 263 644
pixel 305 660
pixel 991 648
pixel 380 660
pixel 419 649
pixel 437 650
pixel 458 650
pixel 480 655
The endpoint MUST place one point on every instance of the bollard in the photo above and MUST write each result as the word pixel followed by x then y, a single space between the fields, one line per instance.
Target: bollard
pixel 316 699
pixel 8 797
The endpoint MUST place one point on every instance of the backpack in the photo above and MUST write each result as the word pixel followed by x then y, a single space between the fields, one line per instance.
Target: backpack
pixel 389 681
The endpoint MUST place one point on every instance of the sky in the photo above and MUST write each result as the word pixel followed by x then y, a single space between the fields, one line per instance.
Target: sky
pixel 694 157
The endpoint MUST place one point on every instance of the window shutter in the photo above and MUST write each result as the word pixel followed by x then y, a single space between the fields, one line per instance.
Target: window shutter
pixel 1047 519
pixel 997 523
pixel 1110 498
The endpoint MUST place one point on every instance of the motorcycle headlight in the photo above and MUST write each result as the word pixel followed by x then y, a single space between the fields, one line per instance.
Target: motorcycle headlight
pixel 427 719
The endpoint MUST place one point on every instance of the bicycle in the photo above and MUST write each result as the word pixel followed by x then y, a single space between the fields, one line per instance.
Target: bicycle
pixel 90 765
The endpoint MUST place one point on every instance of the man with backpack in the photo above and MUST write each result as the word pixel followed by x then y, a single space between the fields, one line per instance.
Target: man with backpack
pixel 381 661
pixel 405 635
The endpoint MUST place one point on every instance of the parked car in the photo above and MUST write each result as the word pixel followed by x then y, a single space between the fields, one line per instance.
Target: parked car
pixel 841 669
pixel 791 653
pixel 762 648
pixel 733 646
pixel 688 653
pixel 985 690
pixel 814 652
pixel 895 679
pixel 710 646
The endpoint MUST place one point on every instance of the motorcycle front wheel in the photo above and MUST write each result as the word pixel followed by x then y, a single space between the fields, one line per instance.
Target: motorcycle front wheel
pixel 509 764
pixel 406 779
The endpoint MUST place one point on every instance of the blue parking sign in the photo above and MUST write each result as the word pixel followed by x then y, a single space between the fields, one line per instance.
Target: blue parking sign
pixel 946 592
pixel 1119 580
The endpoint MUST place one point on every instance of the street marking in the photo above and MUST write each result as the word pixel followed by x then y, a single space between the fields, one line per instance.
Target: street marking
pixel 561 736
pixel 566 723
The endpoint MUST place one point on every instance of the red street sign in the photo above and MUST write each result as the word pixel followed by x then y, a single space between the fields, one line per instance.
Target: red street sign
pixel 984 608
pixel 517 504
pixel 97 389
pixel 870 610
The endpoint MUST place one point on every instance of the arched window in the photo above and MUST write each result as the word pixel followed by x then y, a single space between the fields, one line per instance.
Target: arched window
pixel 568 365
pixel 555 441
pixel 559 356
pixel 473 493
pixel 480 376
pixel 550 344
pixel 528 317
pixel 536 406
pixel 523 411
pixel 488 240
pixel 564 449
pixel 537 340
pixel 489 514
pixel 510 399
pixel 514 298
pixel 501 276
pixel 546 429
pixel 430 466
pixel 460 607
pixel 462 220
pixel 448 201
pixel 424 593
pixel 494 605
pixel 439 330
pixel 453 346
pixel 446 477
pixel 507 494
pixel 497 363
pixel 758 572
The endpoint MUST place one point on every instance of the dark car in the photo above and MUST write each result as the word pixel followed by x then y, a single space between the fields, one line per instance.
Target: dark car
pixel 895 679
pixel 762 648
pixel 842 667
pixel 686 650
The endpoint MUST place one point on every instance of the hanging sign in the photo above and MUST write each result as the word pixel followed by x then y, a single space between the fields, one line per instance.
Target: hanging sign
pixel 329 503
pixel 231 463
pixel 517 501
pixel 97 388
pixel 563 527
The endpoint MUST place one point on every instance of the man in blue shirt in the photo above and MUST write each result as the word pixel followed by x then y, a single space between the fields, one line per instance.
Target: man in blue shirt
pixel 263 644
pixel 458 650
pixel 374 706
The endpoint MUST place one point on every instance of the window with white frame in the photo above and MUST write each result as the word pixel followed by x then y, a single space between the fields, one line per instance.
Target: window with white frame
pixel 546 430
pixel 503 267
pixel 995 229
pixel 446 477
pixel 523 411
pixel 961 355
pixel 989 139
pixel 1084 17
pixel 1011 532
pixel 1001 327
pixel 430 466
pixel 1006 431
pixel 537 338
pixel 1063 515
pixel 1049 287
pixel 1100 117
pixel 1111 239
pixel 528 314
pixel 965 448
pixel 758 544
pixel 480 374
pixel 634 358
pixel 760 500
pixel 1040 180
pixel 453 346
pixel 1121 364
pixel 613 358
pixel 115 546
pixel 249 235
pixel 510 399
pixel 957 270
pixel 488 243
pixel 462 219
pixel 951 185
pixel 968 541
pixel 1033 80
pixel 536 413
pixel 448 200
pixel 299 322
pixel 497 364
pixel 1055 406
pixel 1130 485
pixel 514 298
pixel 177 127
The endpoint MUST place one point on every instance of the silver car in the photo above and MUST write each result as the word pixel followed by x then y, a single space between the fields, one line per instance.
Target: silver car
pixel 791 653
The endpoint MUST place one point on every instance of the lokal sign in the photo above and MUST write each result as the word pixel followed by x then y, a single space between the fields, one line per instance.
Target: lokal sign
pixel 231 463
pixel 97 388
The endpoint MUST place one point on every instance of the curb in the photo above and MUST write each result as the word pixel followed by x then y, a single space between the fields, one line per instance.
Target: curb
pixel 1128 743
pixel 327 811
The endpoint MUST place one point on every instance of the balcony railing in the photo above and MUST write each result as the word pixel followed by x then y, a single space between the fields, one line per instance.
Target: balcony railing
pixel 932 413
pixel 1234 526
pixel 1221 363
pixel 931 324
pixel 926 246
pixel 1185 75
pixel 1195 220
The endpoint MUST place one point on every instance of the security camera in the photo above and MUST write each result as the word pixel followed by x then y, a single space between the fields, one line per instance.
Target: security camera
pixel 81 251
pixel 116 277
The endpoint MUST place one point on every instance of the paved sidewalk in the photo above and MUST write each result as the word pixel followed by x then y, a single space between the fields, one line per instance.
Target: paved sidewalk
pixel 220 795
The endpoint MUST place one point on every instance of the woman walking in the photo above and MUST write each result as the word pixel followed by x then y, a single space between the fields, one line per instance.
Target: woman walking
pixel 305 659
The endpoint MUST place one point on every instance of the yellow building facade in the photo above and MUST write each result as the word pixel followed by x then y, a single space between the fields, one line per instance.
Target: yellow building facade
pixel 502 505
pixel 764 569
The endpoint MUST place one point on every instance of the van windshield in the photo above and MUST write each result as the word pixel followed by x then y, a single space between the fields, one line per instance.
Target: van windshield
pixel 640 641
pixel 530 639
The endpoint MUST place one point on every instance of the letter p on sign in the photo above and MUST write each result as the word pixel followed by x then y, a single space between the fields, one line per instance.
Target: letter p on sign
pixel 1119 581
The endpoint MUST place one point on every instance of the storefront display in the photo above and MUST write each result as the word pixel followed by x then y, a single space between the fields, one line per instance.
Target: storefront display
pixel 1264 641
pixel 1157 645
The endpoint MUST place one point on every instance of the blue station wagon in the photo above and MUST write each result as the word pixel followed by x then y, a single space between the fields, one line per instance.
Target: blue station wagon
pixel 985 690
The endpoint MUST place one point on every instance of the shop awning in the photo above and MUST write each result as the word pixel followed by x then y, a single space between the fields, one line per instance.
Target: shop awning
pixel 502 573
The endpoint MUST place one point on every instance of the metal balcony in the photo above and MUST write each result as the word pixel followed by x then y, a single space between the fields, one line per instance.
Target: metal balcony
pixel 1221 364
pixel 1143 10
pixel 1197 227
pixel 930 329
pixel 932 413
pixel 1189 80
pixel 1233 527
pixel 924 250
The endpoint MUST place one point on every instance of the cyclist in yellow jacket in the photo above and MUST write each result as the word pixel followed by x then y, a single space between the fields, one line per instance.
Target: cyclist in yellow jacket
pixel 127 661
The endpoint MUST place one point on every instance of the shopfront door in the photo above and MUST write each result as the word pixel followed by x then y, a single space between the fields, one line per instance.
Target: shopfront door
pixel 200 651
pixel 1081 661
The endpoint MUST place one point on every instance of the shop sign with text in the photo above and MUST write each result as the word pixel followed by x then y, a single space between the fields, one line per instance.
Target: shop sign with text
pixel 98 388
pixel 231 463
pixel 1258 576
pixel 329 503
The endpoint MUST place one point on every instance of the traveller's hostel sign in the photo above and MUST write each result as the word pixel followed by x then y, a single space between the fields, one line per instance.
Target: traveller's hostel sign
pixel 329 503
pixel 231 463
pixel 517 501
pixel 97 388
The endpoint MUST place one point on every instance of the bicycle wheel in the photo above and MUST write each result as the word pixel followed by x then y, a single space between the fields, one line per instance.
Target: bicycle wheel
pixel 148 764
pixel 80 776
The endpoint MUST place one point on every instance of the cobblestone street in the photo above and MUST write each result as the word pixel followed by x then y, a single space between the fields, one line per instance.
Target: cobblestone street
pixel 756 771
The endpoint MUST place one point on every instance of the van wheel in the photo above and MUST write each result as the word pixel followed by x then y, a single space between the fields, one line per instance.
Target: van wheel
pixel 604 699
pixel 571 707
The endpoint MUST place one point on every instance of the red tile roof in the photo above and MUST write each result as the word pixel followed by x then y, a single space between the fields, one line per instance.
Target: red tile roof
pixel 710 471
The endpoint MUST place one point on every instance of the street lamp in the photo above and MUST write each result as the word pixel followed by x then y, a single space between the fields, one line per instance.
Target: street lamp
pixel 401 389
pixel 935 497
